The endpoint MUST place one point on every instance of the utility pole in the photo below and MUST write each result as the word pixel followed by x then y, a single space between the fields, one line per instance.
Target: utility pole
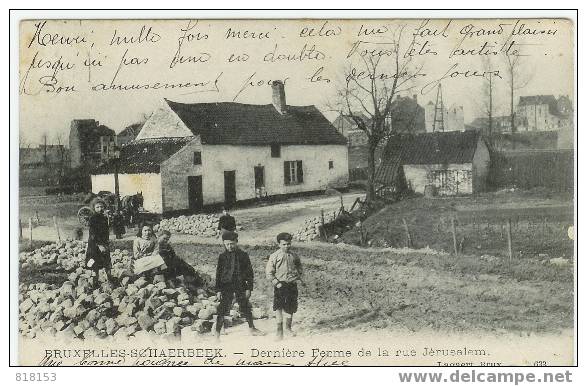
pixel 438 123
pixel 490 107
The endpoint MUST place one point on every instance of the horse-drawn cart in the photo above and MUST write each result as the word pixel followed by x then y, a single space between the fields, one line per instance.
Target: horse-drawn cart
pixel 130 209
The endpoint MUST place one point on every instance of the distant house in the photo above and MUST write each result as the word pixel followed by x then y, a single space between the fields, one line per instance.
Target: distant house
pixel 128 134
pixel 188 156
pixel 499 124
pixel 407 116
pixel 347 126
pixel 452 162
pixel 454 118
pixel 544 113
pixel 90 143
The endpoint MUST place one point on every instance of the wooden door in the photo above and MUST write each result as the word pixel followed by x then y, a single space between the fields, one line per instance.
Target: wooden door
pixel 229 187
pixel 195 195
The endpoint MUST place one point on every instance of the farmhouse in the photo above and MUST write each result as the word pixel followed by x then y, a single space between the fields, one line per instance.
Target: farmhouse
pixel 449 163
pixel 188 156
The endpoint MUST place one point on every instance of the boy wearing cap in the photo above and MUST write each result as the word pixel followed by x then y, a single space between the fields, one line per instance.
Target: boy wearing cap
pixel 284 269
pixel 234 279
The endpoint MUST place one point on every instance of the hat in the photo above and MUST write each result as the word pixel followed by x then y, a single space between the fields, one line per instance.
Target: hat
pixel 229 235
pixel 284 236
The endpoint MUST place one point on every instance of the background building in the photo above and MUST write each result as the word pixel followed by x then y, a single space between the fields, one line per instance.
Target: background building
pixel 90 143
pixel 188 156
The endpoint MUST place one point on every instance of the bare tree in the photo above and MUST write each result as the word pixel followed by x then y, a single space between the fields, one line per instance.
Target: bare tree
pixel 377 74
pixel 488 91
pixel 518 77
pixel 23 144
pixel 59 140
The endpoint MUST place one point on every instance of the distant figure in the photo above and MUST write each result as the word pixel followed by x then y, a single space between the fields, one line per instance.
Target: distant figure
pixel 98 250
pixel 118 225
pixel 78 234
pixel 226 222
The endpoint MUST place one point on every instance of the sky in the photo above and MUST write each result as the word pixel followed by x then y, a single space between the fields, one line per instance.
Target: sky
pixel 66 67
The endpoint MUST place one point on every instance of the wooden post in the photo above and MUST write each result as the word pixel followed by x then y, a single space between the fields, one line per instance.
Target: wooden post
pixel 510 249
pixel 19 229
pixel 324 235
pixel 454 235
pixel 31 231
pixel 408 237
pixel 56 229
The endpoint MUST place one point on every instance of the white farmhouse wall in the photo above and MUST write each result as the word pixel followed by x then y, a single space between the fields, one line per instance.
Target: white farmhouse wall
pixel 163 123
pixel 174 176
pixel 129 184
pixel 242 159
pixel 418 176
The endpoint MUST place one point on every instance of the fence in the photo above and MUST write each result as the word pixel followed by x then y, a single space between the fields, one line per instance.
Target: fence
pixel 512 237
pixel 527 169
pixel 358 174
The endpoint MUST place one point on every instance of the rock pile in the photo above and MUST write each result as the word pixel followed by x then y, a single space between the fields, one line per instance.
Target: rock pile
pixel 311 229
pixel 136 305
pixel 67 254
pixel 205 225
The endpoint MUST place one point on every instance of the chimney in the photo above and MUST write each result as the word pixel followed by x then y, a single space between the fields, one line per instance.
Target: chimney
pixel 279 96
pixel 416 98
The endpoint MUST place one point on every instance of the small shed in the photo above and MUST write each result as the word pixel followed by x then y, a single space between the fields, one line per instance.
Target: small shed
pixel 454 163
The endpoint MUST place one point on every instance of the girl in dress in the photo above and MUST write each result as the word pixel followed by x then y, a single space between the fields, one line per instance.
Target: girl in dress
pixel 98 250
pixel 144 244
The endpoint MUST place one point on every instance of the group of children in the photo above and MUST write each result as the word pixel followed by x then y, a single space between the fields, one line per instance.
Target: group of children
pixel 234 272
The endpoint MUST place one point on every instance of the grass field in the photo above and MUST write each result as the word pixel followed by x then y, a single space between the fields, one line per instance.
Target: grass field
pixel 364 289
pixel 539 221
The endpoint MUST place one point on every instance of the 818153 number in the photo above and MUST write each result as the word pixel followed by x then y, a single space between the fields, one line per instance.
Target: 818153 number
pixel 36 377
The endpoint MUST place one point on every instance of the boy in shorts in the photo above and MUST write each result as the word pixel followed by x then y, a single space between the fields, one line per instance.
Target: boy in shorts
pixel 284 269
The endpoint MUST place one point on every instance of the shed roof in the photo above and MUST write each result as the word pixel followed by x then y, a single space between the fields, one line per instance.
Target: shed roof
pixel 144 155
pixel 456 147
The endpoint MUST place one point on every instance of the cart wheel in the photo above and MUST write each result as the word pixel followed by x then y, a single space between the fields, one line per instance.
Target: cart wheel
pixel 83 215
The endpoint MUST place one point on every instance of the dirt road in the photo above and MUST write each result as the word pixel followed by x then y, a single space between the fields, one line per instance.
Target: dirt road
pixel 260 223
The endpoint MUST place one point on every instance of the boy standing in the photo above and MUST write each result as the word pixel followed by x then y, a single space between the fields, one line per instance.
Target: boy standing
pixel 284 269
pixel 226 223
pixel 234 278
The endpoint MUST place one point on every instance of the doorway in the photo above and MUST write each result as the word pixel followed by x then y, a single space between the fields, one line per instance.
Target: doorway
pixel 195 195
pixel 259 177
pixel 229 187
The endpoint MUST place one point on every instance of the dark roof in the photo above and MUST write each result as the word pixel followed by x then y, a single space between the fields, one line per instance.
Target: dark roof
pixel 144 155
pixel 549 100
pixel 243 124
pixel 131 130
pixel 388 169
pixel 455 147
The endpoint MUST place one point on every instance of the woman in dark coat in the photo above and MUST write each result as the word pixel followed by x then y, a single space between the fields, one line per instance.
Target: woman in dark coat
pixel 98 251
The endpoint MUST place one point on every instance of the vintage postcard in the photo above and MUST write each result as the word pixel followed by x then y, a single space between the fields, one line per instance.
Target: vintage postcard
pixel 296 192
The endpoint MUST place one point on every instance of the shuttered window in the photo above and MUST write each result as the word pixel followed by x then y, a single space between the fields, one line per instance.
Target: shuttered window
pixel 275 150
pixel 197 158
pixel 293 172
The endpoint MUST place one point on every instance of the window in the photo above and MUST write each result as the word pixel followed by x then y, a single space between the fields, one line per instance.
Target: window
pixel 293 172
pixel 275 150
pixel 197 158
pixel 330 164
